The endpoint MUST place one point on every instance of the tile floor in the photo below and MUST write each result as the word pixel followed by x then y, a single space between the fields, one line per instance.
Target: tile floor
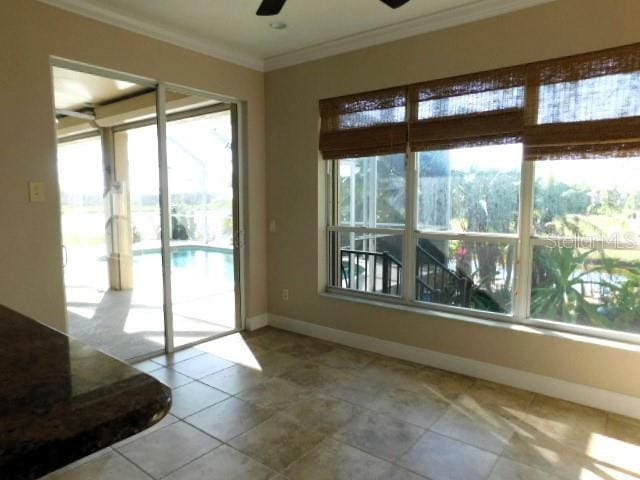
pixel 275 405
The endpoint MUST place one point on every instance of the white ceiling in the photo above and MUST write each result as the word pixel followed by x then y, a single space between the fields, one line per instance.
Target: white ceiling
pixel 75 90
pixel 230 29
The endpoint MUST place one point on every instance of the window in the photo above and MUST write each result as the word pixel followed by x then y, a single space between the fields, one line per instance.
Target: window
pixel 369 237
pixel 469 189
pixel 371 192
pixel 463 191
pixel 586 262
pixel 509 194
pixel 605 97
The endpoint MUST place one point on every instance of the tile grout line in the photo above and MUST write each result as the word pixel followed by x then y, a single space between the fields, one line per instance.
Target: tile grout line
pixel 274 414
pixel 320 390
pixel 311 450
pixel 196 427
pixel 179 420
pixel 183 419
pixel 391 462
pixel 493 467
pixel 248 455
pixel 204 408
pixel 425 430
pixel 332 435
pixel 424 433
pixel 189 462
pixel 254 459
pixel 404 452
pixel 169 365
pixel 128 460
pixel 195 379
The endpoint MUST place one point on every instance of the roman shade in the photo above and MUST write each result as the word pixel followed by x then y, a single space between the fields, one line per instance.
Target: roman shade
pixel 477 109
pixel 585 106
pixel 366 124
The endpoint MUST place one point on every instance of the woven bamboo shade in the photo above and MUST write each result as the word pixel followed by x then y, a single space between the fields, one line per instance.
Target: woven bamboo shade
pixel 476 109
pixel 586 151
pixel 583 106
pixel 372 123
pixel 586 106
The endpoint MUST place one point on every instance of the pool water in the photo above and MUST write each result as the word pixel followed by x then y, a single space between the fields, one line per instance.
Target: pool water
pixel 195 271
pixel 204 261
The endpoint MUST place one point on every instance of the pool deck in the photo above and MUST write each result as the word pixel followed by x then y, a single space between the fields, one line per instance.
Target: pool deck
pixel 118 325
pixel 129 324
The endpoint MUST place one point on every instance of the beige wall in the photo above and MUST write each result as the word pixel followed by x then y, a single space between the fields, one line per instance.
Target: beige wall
pixel 30 258
pixel 31 278
pixel 559 28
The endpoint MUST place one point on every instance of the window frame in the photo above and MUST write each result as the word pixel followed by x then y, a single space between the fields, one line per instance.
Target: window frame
pixel 578 139
pixel 524 239
pixel 489 237
pixel 411 235
pixel 334 229
pixel 537 240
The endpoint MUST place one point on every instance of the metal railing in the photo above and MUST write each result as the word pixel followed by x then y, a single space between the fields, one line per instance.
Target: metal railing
pixel 381 272
pixel 376 272
pixel 435 282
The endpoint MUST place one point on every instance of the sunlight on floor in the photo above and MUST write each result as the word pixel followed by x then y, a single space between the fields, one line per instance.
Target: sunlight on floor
pixel 141 321
pixel 129 324
pixel 619 455
pixel 233 348
pixel 603 472
pixel 86 313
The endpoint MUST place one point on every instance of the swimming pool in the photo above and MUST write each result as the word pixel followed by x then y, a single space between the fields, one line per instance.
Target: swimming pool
pixel 195 269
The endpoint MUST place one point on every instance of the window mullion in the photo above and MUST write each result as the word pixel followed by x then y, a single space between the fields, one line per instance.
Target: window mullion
pixel 332 186
pixel 523 267
pixel 410 227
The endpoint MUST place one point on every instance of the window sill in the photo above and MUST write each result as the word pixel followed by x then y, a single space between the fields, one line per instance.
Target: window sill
pixel 628 344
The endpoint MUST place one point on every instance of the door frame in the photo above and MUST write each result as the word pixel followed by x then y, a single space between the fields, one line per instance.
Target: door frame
pixel 238 110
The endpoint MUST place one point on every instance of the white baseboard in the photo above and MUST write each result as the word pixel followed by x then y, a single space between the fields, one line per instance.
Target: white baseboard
pixel 259 321
pixel 553 387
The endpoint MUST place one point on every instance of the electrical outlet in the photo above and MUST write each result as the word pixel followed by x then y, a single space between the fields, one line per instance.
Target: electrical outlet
pixel 36 192
pixel 285 294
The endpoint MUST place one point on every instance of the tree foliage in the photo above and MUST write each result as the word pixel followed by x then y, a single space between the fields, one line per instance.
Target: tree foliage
pixel 586 286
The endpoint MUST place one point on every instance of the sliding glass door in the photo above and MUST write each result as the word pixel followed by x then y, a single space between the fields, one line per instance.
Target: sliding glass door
pixel 82 218
pixel 136 168
pixel 110 211
pixel 150 214
pixel 201 204
pixel 182 205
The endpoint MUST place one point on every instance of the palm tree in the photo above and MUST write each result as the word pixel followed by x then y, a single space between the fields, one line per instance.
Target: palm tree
pixel 563 279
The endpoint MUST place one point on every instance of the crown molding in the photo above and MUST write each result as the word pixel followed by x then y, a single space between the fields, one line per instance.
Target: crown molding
pixel 429 23
pixel 105 15
pixel 478 10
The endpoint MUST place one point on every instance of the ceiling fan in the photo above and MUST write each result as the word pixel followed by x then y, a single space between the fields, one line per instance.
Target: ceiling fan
pixel 273 7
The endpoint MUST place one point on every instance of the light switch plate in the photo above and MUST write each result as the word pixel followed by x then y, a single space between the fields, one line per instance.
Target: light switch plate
pixel 36 192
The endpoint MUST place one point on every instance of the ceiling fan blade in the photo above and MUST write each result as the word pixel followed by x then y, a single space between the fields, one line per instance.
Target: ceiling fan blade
pixel 270 7
pixel 394 3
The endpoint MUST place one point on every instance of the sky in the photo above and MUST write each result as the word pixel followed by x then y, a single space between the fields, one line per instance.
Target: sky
pixel 600 174
pixel 191 144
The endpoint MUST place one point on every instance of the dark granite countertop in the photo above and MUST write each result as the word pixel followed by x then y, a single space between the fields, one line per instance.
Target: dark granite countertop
pixel 61 400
